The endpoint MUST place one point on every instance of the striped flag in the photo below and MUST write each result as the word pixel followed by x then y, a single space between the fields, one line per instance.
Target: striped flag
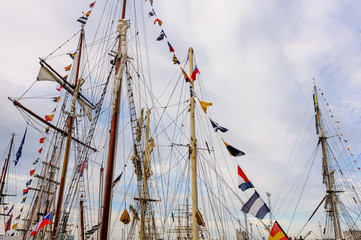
pixel 256 206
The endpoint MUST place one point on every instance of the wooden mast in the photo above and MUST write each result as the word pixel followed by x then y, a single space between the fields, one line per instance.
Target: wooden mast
pixel 195 228
pixel 120 62
pixel 68 141
pixel 82 218
pixel 5 169
pixel 330 192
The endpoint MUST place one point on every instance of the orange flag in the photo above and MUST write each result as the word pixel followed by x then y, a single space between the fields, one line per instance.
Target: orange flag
pixel 277 233
pixel 49 118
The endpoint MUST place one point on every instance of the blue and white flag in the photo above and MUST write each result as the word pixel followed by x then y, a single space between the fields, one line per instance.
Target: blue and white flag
pixel 19 152
pixel 82 20
pixel 256 206
pixel 28 183
pixel 11 209
pixel 217 127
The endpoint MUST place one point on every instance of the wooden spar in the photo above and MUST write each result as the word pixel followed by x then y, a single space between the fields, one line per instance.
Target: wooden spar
pixel 68 143
pixel 66 83
pixel 330 182
pixel 100 206
pixel 82 217
pixel 5 169
pixel 120 62
pixel 16 103
pixel 143 201
pixel 195 228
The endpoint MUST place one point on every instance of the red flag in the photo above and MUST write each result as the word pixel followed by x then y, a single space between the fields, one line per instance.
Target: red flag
pixel 194 74
pixel 92 5
pixel 59 87
pixel 32 172
pixel 42 140
pixel 49 118
pixel 171 49
pixel 88 13
pixel 8 224
pixel 40 150
pixel 159 21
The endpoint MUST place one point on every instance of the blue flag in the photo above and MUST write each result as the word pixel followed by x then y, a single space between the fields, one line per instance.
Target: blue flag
pixel 19 152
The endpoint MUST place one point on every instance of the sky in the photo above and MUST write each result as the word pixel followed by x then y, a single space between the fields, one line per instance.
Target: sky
pixel 258 60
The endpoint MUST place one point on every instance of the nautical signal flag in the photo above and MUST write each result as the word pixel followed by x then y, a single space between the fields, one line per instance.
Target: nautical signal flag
pixel 256 206
pixel 24 199
pixel 186 76
pixel 32 172
pixel 18 217
pixel 28 183
pixel 56 99
pixel 243 182
pixel 72 55
pixel 25 191
pixel 159 21
pixel 8 224
pixel 171 49
pixel 194 73
pixel 47 129
pixel 151 13
pixel 49 118
pixel 217 127
pixel 42 140
pixel 41 224
pixel 277 233
pixel 92 5
pixel 59 87
pixel 21 209
pixel 67 68
pixel 204 105
pixel 161 36
pixel 233 151
pixel 14 226
pixel 40 150
pixel 11 209
pixel 175 60
pixel 82 20
pixel 88 14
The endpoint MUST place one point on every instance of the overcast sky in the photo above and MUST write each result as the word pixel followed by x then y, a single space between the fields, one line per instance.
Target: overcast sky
pixel 257 58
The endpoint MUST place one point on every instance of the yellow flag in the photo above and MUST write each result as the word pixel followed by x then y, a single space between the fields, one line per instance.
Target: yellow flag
pixel 204 105
pixel 15 226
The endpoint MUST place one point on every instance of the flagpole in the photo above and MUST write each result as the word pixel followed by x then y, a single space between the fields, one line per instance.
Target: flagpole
pixel 195 228
pixel 120 64
pixel 68 141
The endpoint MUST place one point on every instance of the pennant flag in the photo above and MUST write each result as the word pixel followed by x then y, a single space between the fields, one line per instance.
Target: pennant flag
pixel 67 68
pixel 8 224
pixel 49 118
pixel 11 209
pixel 233 151
pixel 159 21
pixel 14 226
pixel 256 206
pixel 18 217
pixel 21 209
pixel 20 150
pixel 56 99
pixel 185 76
pixel 82 20
pixel 59 87
pixel 41 224
pixel 92 5
pixel 40 150
pixel 217 127
pixel 36 161
pixel 25 191
pixel 194 73
pixel 42 140
pixel 54 110
pixel 28 183
pixel 117 179
pixel 151 13
pixel 243 182
pixel 32 172
pixel 175 60
pixel 24 199
pixel 161 36
pixel 341 134
pixel 171 49
pixel 72 55
pixel 47 129
pixel 65 77
pixel 82 166
pixel 204 105
pixel 88 14
pixel 5 208
pixel 277 233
